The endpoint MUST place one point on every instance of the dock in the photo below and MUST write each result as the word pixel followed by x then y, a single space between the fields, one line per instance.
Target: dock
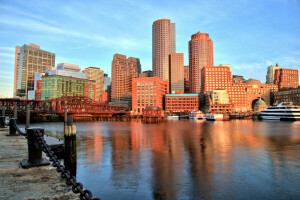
pixel 33 183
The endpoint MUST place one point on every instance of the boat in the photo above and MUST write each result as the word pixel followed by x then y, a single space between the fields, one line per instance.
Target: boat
pixel 173 117
pixel 196 115
pixel 284 111
pixel 214 117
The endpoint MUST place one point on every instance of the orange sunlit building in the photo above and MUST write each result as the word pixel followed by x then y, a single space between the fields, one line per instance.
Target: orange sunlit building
pixel 123 70
pixel 286 78
pixel 182 102
pixel 200 55
pixel 148 91
pixel 186 80
pixel 242 96
pixel 163 44
pixel 176 73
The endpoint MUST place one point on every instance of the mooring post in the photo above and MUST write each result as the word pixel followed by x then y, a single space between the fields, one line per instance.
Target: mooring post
pixel 12 127
pixel 34 149
pixel 16 111
pixel 2 122
pixel 70 157
pixel 3 111
pixel 27 116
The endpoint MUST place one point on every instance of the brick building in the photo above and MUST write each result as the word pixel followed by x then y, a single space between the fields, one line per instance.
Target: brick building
pixel 186 79
pixel 148 91
pixel 182 102
pixel 176 73
pixel 291 95
pixel 286 78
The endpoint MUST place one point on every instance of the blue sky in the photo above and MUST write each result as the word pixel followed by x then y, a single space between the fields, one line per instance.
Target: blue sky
pixel 248 34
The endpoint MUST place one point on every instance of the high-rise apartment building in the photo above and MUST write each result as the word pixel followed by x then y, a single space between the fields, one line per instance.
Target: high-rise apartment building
pixel 163 44
pixel 30 59
pixel 271 74
pixel 97 75
pixel 186 79
pixel 286 78
pixel 176 73
pixel 122 72
pixel 148 91
pixel 200 55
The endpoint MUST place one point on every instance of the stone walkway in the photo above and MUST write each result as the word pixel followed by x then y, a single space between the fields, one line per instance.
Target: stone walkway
pixel 29 184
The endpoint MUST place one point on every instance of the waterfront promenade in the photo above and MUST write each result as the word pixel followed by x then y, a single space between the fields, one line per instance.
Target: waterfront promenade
pixel 33 183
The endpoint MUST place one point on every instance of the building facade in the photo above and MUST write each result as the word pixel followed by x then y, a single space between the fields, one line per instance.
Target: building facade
pixel 182 102
pixel 286 78
pixel 176 81
pixel 55 86
pixel 123 71
pixel 200 55
pixel 97 75
pixel 291 95
pixel 186 79
pixel 237 79
pixel 30 59
pixel 271 74
pixel 149 91
pixel 241 95
pixel 163 44
pixel 107 84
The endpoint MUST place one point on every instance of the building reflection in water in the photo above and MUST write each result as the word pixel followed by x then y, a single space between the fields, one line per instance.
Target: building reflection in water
pixel 197 160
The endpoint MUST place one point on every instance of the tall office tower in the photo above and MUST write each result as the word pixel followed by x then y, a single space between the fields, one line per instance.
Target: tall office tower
pixel 122 72
pixel 97 75
pixel 163 44
pixel 176 73
pixel 271 73
pixel 32 60
pixel 107 83
pixel 17 58
pixel 186 79
pixel 200 55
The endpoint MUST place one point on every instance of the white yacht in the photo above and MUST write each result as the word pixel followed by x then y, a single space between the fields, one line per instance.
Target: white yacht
pixel 282 111
pixel 196 115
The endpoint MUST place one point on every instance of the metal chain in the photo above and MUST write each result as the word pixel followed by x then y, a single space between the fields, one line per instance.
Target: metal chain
pixel 77 187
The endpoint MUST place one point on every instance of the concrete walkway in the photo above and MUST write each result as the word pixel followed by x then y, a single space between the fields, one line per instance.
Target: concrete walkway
pixel 33 183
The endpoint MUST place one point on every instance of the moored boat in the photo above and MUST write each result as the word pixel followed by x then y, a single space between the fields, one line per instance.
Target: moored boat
pixel 283 111
pixel 196 115
pixel 214 117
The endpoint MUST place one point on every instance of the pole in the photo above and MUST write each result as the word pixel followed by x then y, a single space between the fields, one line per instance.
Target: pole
pixel 3 111
pixel 66 115
pixel 70 157
pixel 27 116
pixel 16 111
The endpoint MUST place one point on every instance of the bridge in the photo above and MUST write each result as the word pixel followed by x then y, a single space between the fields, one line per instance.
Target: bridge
pixel 76 105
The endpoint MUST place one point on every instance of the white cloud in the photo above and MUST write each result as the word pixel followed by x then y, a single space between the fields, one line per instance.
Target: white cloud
pixel 9 49
pixel 7 55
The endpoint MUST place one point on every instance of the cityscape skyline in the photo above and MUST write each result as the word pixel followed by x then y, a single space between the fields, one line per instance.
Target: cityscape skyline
pixel 276 40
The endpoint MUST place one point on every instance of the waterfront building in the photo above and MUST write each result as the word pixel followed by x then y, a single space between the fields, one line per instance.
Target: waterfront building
pixel 97 75
pixel 163 44
pixel 104 98
pixel 107 84
pixel 147 73
pixel 237 79
pixel 217 101
pixel 176 73
pixel 123 71
pixel 286 78
pixel 290 95
pixel 271 74
pixel 148 91
pixel 186 79
pixel 55 86
pixel 182 102
pixel 242 95
pixel 200 55
pixel 260 105
pixel 66 69
pixel 30 59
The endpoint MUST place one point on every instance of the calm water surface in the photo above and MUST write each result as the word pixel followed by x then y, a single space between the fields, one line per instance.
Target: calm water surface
pixel 241 159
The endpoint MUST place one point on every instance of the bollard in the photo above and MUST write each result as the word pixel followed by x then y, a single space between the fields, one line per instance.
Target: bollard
pixel 2 122
pixel 12 128
pixel 34 150
pixel 70 157
pixel 27 116
pixel 3 111
pixel 16 111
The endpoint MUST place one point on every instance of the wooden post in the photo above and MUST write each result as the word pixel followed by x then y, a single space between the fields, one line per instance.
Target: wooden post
pixel 16 111
pixel 27 116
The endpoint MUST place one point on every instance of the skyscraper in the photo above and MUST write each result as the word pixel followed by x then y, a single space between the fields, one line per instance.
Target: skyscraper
pixel 97 75
pixel 176 73
pixel 163 44
pixel 271 73
pixel 122 72
pixel 200 55
pixel 29 61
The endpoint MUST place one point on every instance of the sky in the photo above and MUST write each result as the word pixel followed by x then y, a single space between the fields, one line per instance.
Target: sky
pixel 248 34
